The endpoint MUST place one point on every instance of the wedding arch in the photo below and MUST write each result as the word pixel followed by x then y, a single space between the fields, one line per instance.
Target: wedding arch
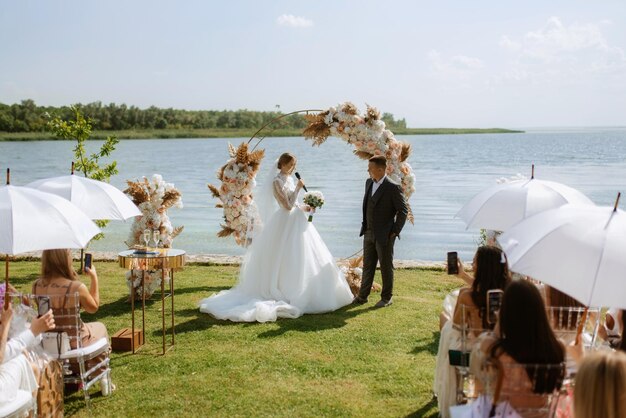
pixel 367 133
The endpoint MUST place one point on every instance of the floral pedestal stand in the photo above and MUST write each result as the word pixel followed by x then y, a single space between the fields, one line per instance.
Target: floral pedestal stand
pixel 166 259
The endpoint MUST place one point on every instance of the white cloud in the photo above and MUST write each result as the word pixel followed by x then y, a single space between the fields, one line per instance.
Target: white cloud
pixel 294 21
pixel 460 67
pixel 507 43
pixel 563 51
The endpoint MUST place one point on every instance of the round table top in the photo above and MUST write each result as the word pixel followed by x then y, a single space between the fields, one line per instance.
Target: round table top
pixel 153 259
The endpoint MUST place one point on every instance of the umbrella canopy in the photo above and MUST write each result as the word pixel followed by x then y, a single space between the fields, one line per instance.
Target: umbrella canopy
pixel 580 250
pixel 97 199
pixel 31 220
pixel 501 206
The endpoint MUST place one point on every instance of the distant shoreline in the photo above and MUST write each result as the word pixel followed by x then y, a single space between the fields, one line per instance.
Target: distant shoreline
pixel 232 133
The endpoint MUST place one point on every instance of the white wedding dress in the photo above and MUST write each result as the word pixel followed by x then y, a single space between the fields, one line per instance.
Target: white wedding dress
pixel 287 271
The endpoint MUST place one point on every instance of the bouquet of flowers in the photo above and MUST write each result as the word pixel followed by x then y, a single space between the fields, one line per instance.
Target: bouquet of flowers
pixel 314 200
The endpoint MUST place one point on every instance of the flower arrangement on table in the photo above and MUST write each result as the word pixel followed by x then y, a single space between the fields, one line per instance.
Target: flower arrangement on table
pixel 153 197
pixel 314 200
pixel 235 193
pixel 368 135
pixel 352 269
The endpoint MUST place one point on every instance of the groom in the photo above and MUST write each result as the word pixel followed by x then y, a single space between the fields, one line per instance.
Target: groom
pixel 384 214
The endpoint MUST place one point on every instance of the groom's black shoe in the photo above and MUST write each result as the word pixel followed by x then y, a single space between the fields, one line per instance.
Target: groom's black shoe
pixel 383 303
pixel 358 300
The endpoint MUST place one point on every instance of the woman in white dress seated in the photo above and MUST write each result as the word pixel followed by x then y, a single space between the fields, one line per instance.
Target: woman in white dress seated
pixel 16 371
pixel 288 270
pixel 490 272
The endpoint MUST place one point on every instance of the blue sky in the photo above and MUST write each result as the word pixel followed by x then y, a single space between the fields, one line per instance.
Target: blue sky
pixel 435 63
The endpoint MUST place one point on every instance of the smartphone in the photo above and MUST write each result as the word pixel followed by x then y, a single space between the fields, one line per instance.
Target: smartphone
pixel 494 300
pixel 88 260
pixel 453 265
pixel 43 305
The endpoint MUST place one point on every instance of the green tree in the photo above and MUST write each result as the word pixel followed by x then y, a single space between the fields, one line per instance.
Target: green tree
pixel 79 129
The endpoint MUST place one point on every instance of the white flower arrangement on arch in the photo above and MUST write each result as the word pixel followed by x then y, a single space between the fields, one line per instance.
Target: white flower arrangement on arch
pixel 368 135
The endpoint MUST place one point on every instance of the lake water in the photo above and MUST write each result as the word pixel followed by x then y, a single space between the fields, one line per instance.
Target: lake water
pixel 450 169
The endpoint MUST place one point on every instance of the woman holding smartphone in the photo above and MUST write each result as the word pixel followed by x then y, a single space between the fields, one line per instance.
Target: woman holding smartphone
pixel 17 371
pixel 60 283
pixel 523 337
pixel 490 272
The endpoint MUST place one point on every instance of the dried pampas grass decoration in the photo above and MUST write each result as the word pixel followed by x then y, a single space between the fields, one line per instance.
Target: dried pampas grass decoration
pixel 317 129
pixel 352 269
pixel 406 151
pixel 371 115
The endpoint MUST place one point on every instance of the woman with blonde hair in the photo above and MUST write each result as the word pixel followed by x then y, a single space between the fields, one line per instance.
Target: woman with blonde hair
pixel 60 282
pixel 600 389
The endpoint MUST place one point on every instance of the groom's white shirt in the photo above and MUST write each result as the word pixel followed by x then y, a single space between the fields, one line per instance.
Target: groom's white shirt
pixel 376 184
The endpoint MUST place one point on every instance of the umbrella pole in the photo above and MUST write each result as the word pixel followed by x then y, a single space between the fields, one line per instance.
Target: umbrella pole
pixel 6 282
pixel 82 257
pixel 617 201
pixel 581 325
pixel 532 172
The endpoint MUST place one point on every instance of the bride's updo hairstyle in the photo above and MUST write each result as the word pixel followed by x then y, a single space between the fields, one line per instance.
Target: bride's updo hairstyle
pixel 284 159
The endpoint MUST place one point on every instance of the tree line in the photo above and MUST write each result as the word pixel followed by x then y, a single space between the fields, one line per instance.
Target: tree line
pixel 26 116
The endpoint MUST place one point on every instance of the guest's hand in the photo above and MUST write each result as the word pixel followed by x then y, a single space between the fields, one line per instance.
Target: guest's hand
pixel 300 184
pixel 91 272
pixel 42 324
pixel 462 274
pixel 576 352
pixel 7 311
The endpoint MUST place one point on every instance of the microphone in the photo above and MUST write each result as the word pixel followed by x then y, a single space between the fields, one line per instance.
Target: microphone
pixel 299 178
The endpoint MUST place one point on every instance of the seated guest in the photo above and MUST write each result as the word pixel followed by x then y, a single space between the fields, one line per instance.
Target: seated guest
pixel 59 280
pixel 600 389
pixel 16 372
pixel 522 336
pixel 490 272
pixel 612 328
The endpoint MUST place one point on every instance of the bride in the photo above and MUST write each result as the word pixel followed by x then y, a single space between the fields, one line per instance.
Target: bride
pixel 288 270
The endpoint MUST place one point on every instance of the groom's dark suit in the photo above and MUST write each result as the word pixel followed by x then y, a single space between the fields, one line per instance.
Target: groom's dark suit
pixel 384 214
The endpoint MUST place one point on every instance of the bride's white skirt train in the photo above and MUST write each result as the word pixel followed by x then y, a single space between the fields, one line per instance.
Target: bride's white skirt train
pixel 287 271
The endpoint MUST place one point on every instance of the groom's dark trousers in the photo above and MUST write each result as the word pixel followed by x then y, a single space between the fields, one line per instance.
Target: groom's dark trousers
pixel 384 213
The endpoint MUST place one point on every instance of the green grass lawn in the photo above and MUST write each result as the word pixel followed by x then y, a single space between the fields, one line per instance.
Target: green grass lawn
pixel 357 361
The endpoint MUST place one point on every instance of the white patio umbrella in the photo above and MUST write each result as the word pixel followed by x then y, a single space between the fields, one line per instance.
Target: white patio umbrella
pixel 580 250
pixel 31 220
pixel 501 206
pixel 97 199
